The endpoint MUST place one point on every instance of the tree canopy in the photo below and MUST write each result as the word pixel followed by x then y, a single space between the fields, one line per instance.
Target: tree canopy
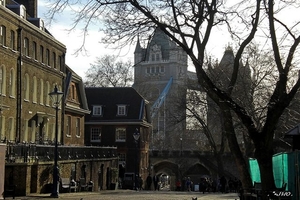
pixel 193 25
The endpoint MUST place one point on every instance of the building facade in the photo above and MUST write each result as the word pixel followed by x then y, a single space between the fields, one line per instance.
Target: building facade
pixel 116 115
pixel 32 63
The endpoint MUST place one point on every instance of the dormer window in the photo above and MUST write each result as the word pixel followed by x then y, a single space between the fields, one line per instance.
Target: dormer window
pixel 121 110
pixel 2 2
pixel 97 110
pixel 22 11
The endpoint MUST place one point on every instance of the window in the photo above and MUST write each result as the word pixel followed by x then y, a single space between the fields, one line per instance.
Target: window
pixel 77 126
pixel 162 69
pixel 54 59
pixel 97 110
pixel 120 134
pixel 11 130
pixel 68 126
pixel 3 35
pixel 73 91
pixel 47 57
pixel 59 62
pixel 34 92
pixel 122 158
pixel 41 91
pixel 2 2
pixel 95 134
pixel 22 11
pixel 148 70
pixel 157 57
pixel 12 40
pixel 12 83
pixel 1 79
pixel 47 92
pixel 34 50
pixel 2 127
pixel 42 54
pixel 26 46
pixel 121 110
pixel 26 87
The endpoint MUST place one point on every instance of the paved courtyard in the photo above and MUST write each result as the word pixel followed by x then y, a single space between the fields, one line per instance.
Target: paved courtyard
pixel 135 195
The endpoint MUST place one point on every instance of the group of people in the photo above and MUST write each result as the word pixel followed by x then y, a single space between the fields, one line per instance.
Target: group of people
pixel 154 180
pixel 206 184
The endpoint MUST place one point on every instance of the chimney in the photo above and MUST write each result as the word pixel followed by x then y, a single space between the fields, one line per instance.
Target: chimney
pixel 31 7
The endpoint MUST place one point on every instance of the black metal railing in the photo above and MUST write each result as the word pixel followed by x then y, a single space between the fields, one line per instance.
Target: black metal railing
pixel 23 153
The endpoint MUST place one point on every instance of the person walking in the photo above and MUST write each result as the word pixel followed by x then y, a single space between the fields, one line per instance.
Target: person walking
pixel 155 182
pixel 149 182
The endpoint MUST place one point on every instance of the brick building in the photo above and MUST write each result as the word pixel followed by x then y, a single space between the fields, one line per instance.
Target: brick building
pixel 32 62
pixel 118 113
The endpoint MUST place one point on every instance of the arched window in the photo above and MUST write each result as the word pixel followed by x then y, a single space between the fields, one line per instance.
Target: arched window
pixel 3 35
pixel 12 40
pixel 2 80
pixel 25 135
pixel 47 57
pixel 11 129
pixel 47 92
pixel 33 130
pixel 26 47
pixel 34 95
pixel 2 127
pixel 12 83
pixel 26 87
pixel 42 91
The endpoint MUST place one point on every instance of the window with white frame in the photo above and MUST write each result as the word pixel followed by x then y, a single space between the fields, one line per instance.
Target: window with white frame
pixel 34 50
pixel 26 87
pixel 97 110
pixel 3 35
pixel 34 92
pixel 95 134
pixel 121 110
pixel 12 40
pixel 2 2
pixel 41 91
pixel 120 134
pixel 48 57
pixel 68 126
pixel 122 158
pixel 41 54
pixel 26 46
pixel 12 87
pixel 77 125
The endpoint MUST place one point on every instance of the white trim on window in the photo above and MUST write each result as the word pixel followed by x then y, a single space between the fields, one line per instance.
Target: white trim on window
pixel 97 110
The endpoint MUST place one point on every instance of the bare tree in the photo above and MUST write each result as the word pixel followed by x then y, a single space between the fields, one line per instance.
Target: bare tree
pixel 190 25
pixel 108 72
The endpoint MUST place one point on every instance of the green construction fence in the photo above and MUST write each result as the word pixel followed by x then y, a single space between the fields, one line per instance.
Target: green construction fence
pixel 285 170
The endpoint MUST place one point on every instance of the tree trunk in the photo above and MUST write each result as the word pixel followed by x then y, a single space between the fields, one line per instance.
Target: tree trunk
pixel 264 159
pixel 235 149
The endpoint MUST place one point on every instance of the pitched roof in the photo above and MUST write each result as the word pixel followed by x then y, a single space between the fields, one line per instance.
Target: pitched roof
pixel 110 98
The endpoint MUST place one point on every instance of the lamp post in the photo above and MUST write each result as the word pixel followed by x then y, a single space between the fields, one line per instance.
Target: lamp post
pixel 181 146
pixel 136 136
pixel 56 97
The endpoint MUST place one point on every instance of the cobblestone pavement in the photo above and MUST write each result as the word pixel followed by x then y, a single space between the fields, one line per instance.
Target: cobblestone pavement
pixel 135 195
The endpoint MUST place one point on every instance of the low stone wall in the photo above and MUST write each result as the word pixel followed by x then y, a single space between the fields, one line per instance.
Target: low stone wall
pixel 37 177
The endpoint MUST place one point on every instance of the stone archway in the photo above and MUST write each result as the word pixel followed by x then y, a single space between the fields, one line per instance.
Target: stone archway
pixel 167 169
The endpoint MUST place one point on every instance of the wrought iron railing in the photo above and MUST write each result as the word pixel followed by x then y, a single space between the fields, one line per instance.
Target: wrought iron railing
pixel 23 153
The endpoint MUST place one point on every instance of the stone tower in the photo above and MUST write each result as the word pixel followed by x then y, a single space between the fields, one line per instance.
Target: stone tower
pixel 221 75
pixel 155 64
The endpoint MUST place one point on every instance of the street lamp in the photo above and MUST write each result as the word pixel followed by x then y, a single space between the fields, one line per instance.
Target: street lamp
pixel 136 136
pixel 56 97
pixel 181 146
